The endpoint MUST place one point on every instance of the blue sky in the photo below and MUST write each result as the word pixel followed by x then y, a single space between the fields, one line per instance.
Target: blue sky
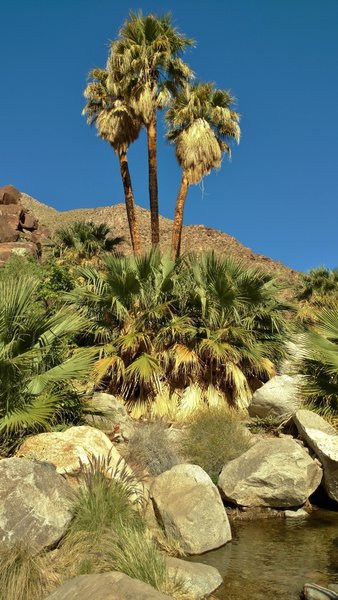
pixel 279 58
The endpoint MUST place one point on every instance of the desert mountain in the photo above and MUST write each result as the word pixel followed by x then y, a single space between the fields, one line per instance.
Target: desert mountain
pixel 195 238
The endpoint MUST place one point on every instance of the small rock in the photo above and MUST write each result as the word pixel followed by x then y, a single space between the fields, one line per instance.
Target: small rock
pixel 296 514
pixel 199 579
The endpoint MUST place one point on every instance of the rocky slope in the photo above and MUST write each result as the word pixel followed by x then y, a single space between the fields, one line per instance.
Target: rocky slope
pixel 195 238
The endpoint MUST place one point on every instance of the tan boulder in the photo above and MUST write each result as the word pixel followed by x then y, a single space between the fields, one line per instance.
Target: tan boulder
pixel 322 438
pixel 190 508
pixel 106 586
pixel 199 579
pixel 277 473
pixel 35 503
pixel 68 449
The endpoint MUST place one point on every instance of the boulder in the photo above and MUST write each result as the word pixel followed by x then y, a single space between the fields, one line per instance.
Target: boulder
pixel 27 221
pixel 35 503
pixel 106 586
pixel 114 415
pixel 311 591
pixel 9 222
pixel 17 249
pixel 322 438
pixel 278 397
pixel 276 473
pixel 68 449
pixel 9 194
pixel 199 579
pixel 189 507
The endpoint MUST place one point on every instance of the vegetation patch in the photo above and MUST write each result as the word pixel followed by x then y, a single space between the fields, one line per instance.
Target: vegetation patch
pixel 213 437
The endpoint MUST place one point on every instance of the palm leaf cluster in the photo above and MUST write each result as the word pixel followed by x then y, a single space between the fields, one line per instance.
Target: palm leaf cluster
pixel 36 366
pixel 168 326
pixel 84 240
pixel 319 361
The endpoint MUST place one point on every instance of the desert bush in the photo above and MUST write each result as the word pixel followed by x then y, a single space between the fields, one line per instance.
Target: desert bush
pixel 151 448
pixel 269 424
pixel 24 575
pixel 213 437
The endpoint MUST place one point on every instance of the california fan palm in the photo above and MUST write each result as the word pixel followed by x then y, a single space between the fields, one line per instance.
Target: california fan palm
pixel 145 62
pixel 200 123
pixel 36 369
pixel 117 123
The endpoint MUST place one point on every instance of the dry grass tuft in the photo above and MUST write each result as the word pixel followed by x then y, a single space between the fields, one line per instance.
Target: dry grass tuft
pixel 24 575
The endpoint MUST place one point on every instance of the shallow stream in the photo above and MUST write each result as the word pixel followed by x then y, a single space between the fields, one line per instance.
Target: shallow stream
pixel 271 559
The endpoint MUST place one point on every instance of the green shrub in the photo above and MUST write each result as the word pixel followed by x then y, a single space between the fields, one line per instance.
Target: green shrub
pixel 151 448
pixel 213 437
pixel 269 424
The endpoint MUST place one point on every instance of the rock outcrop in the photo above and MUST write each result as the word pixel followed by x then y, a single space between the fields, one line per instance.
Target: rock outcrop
pixel 35 503
pixel 106 586
pixel 322 438
pixel 276 473
pixel 189 507
pixel 279 397
pixel 19 229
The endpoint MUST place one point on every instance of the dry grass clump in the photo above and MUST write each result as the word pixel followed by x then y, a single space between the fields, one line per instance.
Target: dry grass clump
pixel 24 575
pixel 151 448
pixel 214 436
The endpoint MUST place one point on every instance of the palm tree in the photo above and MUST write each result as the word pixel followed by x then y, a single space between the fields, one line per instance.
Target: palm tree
pixel 35 368
pixel 86 239
pixel 117 123
pixel 200 122
pixel 195 327
pixel 319 361
pixel 146 62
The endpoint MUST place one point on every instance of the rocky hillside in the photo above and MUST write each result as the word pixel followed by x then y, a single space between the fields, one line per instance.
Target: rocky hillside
pixel 195 238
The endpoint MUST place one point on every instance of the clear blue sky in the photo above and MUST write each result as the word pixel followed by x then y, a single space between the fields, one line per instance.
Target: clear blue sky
pixel 279 58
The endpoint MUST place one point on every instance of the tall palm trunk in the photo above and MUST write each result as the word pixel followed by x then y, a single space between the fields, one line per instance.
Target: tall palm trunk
pixel 153 187
pixel 178 218
pixel 130 204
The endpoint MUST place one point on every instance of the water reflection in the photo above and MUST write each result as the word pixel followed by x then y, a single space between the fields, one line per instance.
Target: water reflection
pixel 272 559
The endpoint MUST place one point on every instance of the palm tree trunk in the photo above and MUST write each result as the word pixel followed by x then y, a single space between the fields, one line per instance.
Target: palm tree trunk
pixel 178 218
pixel 153 187
pixel 130 204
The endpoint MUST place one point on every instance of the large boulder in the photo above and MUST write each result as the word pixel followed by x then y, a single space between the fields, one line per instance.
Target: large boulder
pixel 199 579
pixel 106 586
pixel 70 449
pixel 9 194
pixel 322 438
pixel 9 249
pixel 9 222
pixel 279 397
pixel 189 507
pixel 275 472
pixel 35 503
pixel 112 415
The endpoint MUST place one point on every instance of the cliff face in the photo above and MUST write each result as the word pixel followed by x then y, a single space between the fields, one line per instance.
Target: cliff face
pixel 196 238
